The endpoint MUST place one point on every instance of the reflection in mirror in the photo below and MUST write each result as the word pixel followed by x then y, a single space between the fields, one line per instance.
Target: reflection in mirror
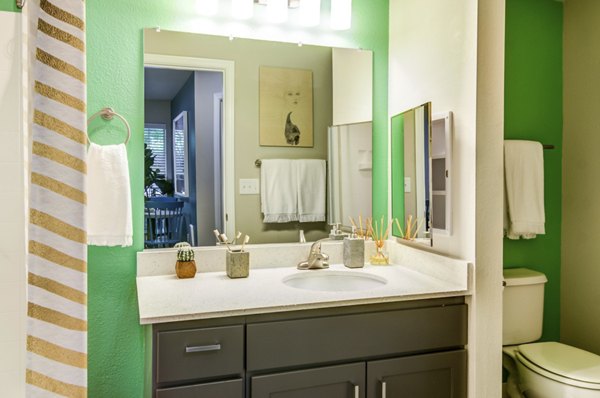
pixel 222 189
pixel 349 178
pixel 411 173
pixel 180 158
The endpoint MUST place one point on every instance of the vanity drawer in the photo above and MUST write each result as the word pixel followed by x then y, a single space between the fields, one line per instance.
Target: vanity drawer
pixel 199 353
pixel 281 344
pixel 221 389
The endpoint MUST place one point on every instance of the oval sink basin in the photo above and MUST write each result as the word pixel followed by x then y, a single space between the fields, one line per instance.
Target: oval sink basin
pixel 334 281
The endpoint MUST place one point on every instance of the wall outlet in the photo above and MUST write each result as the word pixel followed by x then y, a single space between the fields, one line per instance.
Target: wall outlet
pixel 406 184
pixel 249 186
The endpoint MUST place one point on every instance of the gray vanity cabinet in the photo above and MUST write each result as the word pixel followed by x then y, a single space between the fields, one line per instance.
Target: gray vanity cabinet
pixel 393 350
pixel 343 381
pixel 437 375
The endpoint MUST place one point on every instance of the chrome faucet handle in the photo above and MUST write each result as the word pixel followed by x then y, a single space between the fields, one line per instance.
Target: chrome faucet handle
pixel 316 259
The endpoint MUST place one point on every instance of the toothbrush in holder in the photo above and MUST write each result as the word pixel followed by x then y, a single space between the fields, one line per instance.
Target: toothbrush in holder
pixel 246 240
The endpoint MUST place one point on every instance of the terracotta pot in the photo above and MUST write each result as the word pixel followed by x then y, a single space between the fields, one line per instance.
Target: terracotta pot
pixel 185 269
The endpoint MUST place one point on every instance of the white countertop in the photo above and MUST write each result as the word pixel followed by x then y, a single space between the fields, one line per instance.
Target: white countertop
pixel 164 298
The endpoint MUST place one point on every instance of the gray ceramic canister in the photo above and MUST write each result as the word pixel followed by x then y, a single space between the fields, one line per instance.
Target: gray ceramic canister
pixel 354 251
pixel 237 264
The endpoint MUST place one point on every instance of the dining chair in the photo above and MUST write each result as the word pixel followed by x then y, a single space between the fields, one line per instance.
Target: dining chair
pixel 164 223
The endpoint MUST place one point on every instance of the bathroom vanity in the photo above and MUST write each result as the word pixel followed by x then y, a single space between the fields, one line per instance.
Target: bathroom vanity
pixel 263 337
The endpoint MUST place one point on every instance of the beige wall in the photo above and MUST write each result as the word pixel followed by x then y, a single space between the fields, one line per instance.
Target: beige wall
pixel 248 55
pixel 580 269
pixel 12 216
pixel 451 52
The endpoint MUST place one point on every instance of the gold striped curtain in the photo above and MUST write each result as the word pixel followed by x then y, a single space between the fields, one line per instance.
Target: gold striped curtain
pixel 57 260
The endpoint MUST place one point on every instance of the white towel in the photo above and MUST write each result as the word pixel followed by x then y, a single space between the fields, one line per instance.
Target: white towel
pixel 524 189
pixel 311 189
pixel 108 196
pixel 279 190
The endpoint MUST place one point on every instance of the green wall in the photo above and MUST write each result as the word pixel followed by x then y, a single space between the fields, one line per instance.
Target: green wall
pixel 115 78
pixel 533 111
pixel 8 5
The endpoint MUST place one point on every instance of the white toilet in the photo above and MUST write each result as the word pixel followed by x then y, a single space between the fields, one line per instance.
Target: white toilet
pixel 540 370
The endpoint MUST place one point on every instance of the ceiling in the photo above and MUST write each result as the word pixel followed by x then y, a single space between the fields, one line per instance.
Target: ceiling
pixel 163 84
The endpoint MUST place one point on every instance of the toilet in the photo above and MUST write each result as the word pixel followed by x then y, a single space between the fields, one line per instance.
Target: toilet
pixel 545 369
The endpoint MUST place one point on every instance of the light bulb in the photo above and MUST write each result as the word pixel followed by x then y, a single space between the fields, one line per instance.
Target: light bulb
pixel 341 14
pixel 242 9
pixel 277 11
pixel 310 12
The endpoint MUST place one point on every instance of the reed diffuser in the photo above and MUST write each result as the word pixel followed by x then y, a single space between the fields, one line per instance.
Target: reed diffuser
pixel 412 228
pixel 362 233
pixel 380 232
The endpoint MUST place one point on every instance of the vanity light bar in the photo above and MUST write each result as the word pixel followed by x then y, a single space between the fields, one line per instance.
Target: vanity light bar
pixel 309 11
pixel 291 3
pixel 207 7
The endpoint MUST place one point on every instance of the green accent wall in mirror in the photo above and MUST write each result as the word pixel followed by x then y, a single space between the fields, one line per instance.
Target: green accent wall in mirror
pixel 411 174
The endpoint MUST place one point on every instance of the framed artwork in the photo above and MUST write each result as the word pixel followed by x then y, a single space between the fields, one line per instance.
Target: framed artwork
pixel 286 107
pixel 180 155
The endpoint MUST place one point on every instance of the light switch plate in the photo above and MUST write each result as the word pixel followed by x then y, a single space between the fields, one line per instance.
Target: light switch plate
pixel 407 184
pixel 249 186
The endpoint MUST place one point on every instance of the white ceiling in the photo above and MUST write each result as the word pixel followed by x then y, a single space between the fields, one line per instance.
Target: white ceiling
pixel 163 84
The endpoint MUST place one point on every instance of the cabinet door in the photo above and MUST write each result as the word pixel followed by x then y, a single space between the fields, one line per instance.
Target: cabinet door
pixel 343 381
pixel 222 389
pixel 439 375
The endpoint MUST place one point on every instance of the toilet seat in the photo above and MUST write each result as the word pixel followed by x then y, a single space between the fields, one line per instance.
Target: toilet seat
pixel 562 363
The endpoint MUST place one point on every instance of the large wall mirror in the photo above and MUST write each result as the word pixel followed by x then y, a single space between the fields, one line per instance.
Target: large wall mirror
pixel 411 174
pixel 216 81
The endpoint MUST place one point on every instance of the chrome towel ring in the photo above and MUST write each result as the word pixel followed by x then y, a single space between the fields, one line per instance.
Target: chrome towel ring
pixel 108 114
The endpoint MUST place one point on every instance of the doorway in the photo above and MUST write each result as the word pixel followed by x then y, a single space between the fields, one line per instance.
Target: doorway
pixel 176 89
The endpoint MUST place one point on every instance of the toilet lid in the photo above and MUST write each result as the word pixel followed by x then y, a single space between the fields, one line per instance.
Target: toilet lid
pixel 563 360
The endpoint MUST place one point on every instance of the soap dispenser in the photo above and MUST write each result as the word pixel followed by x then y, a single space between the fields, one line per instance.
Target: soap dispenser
pixel 336 233
pixel 354 251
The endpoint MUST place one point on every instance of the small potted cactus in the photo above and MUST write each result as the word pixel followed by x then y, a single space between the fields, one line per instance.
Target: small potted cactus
pixel 185 266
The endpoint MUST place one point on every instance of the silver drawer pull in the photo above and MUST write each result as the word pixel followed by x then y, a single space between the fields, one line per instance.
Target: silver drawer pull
pixel 383 389
pixel 203 348
pixel 356 391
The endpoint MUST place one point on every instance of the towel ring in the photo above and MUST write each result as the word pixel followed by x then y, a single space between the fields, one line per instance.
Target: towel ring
pixel 108 114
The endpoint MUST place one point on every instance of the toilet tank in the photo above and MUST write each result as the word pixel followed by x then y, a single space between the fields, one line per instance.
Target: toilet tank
pixel 523 305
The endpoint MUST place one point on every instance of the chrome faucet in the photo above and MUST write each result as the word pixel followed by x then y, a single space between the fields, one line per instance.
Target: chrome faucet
pixel 316 259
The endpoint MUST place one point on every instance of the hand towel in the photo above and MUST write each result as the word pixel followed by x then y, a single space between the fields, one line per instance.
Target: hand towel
pixel 109 196
pixel 311 189
pixel 279 190
pixel 524 189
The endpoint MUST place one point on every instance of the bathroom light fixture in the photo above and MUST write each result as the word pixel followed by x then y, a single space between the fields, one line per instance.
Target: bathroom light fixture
pixel 242 9
pixel 341 14
pixel 207 7
pixel 310 12
pixel 277 10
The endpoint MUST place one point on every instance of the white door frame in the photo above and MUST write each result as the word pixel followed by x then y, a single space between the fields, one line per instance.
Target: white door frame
pixel 218 145
pixel 228 70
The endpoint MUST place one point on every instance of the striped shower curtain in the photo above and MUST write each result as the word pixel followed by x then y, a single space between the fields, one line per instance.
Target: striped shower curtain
pixel 57 259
